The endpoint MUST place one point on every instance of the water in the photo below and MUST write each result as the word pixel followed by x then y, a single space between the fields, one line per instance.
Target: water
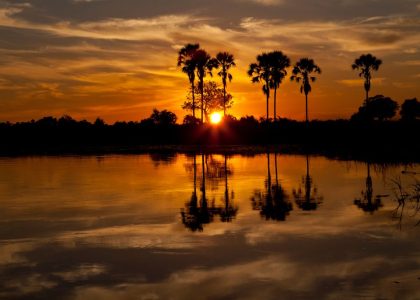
pixel 271 227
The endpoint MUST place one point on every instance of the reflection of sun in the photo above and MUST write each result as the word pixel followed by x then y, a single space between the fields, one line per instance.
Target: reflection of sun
pixel 215 118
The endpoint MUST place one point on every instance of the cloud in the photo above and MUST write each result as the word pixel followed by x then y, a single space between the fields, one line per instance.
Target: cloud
pixel 360 82
pixel 89 62
pixel 265 2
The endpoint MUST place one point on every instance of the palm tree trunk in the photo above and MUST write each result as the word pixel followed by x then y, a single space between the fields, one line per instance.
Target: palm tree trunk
pixel 224 99
pixel 275 100
pixel 202 101
pixel 193 98
pixel 367 95
pixel 268 96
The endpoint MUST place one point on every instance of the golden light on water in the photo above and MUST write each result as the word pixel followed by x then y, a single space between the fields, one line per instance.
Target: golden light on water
pixel 215 118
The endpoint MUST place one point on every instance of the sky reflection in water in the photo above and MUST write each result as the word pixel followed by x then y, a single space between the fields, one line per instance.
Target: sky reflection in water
pixel 220 227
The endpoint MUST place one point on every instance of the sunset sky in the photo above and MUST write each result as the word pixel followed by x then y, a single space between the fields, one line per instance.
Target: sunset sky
pixel 116 59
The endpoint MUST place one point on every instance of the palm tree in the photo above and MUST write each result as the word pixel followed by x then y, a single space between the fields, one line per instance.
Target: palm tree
pixel 204 64
pixel 366 63
pixel 225 60
pixel 302 73
pixel 185 59
pixel 279 62
pixel 261 72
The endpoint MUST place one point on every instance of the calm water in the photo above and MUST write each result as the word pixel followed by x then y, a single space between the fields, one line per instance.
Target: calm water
pixel 207 227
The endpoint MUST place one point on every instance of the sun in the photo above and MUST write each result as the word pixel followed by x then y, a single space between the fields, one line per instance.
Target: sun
pixel 215 118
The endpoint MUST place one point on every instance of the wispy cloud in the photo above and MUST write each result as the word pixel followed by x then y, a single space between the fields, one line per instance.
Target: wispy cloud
pixel 87 63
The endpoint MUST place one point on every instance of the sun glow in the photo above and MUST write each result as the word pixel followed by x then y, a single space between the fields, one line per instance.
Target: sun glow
pixel 215 118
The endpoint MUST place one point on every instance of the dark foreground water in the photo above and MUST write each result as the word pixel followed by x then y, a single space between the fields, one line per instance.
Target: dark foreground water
pixel 208 227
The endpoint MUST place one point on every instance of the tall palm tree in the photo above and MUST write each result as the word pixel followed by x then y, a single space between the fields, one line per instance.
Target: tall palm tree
pixel 366 63
pixel 204 64
pixel 261 72
pixel 225 61
pixel 185 59
pixel 279 62
pixel 302 73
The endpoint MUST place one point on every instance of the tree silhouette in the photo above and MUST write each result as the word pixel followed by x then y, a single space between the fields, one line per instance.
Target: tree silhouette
pixel 228 211
pixel 213 99
pixel 195 214
pixel 366 63
pixel 279 62
pixel 376 108
pixel 365 202
pixel 410 110
pixel 307 199
pixel 185 59
pixel 302 73
pixel 163 118
pixel 261 72
pixel 272 203
pixel 204 64
pixel 225 61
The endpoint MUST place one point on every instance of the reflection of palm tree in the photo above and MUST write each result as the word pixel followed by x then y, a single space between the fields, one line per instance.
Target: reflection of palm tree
pixel 308 199
pixel 185 59
pixel 365 202
pixel 366 63
pixel 225 61
pixel 194 216
pixel 228 211
pixel 197 213
pixel 272 203
pixel 302 73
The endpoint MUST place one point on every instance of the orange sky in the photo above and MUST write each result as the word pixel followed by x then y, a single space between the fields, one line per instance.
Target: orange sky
pixel 117 59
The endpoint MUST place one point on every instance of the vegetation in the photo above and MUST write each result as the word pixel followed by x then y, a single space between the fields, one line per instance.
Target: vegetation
pixel 214 99
pixel 186 61
pixel 279 63
pixel 410 110
pixel 225 61
pixel 204 64
pixel 261 72
pixel 376 108
pixel 366 64
pixel 302 74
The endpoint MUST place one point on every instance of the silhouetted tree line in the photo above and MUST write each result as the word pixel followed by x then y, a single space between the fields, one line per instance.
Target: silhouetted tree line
pixel 270 69
pixel 374 137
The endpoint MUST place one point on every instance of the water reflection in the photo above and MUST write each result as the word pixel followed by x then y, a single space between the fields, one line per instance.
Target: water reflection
pixel 273 202
pixel 366 202
pixel 408 199
pixel 82 228
pixel 307 198
pixel 195 214
pixel 229 210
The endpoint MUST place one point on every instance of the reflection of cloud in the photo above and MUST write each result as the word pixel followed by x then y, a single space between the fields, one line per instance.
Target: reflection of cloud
pixel 28 284
pixel 82 272
pixel 11 253
pixel 270 277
